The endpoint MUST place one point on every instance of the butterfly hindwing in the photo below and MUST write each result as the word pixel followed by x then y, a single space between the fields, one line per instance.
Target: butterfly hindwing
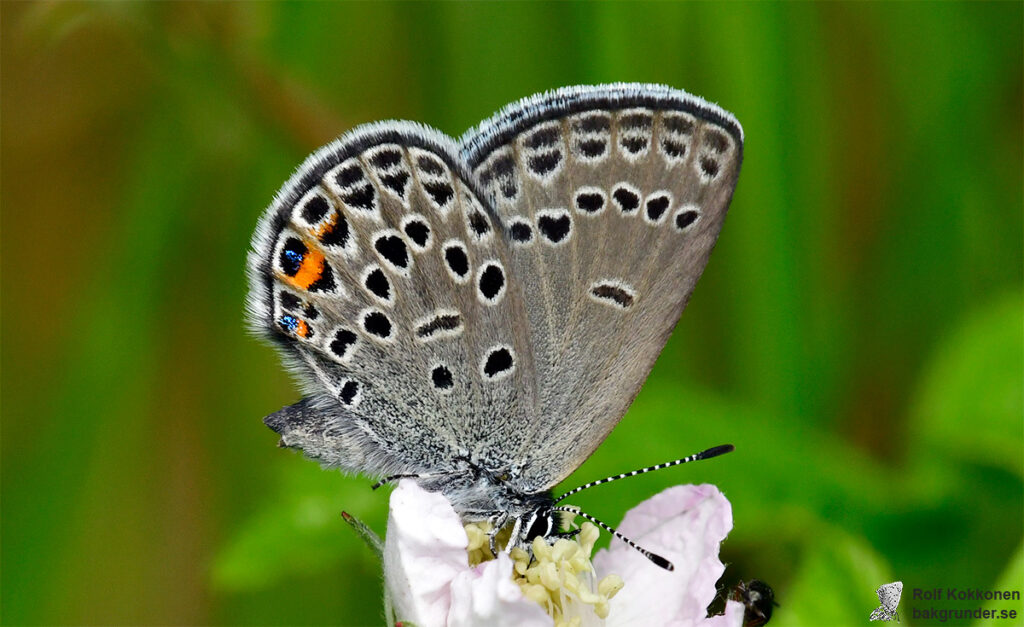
pixel 384 279
pixel 499 300
pixel 612 198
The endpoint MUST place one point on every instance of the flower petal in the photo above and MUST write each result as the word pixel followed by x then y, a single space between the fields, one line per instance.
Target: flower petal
pixel 486 595
pixel 686 525
pixel 424 551
pixel 733 617
pixel 427 572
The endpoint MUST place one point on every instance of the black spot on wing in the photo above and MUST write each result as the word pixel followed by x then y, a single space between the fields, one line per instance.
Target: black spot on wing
pixel 520 232
pixel 349 392
pixel 430 165
pixel 657 206
pixel 361 197
pixel 633 144
pixel 376 323
pixel 289 301
pixel 636 121
pixel 392 248
pixel 627 199
pixel 438 324
pixel 396 181
pixel 554 229
pixel 342 343
pixel 686 218
pixel 418 232
pixel 457 260
pixel 673 148
pixel 544 163
pixel 596 123
pixel 441 192
pixel 479 223
pixel 592 148
pixel 715 141
pixel 590 202
pixel 492 282
pixel 709 166
pixel 377 283
pixel 504 165
pixel 336 234
pixel 543 138
pixel 386 158
pixel 499 361
pixel 315 209
pixel 441 377
pixel 613 293
pixel 349 175
pixel 678 124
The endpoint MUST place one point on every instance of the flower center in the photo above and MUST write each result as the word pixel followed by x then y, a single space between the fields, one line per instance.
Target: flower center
pixel 560 576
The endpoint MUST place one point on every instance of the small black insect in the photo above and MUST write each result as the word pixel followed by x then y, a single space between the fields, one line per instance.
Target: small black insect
pixel 758 598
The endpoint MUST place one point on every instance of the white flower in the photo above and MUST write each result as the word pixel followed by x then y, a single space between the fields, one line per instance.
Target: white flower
pixel 428 571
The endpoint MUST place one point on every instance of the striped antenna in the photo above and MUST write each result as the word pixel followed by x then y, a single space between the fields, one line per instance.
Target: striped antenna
pixel 711 452
pixel 654 557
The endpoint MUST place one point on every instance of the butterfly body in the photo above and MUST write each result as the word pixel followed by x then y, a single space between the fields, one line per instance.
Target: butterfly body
pixel 480 314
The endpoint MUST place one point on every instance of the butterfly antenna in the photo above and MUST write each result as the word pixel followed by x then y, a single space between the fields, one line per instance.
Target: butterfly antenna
pixel 711 452
pixel 654 557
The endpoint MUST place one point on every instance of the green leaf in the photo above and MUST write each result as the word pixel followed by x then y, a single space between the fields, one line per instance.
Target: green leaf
pixel 970 403
pixel 1009 581
pixel 835 584
pixel 300 530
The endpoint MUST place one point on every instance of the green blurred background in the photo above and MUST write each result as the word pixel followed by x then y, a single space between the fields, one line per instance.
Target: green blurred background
pixel 858 333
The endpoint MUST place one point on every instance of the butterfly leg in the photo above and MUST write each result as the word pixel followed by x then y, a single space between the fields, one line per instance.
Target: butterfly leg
pixel 513 539
pixel 497 522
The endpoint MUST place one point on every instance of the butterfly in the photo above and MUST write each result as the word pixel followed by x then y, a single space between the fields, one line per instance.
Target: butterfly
pixel 889 596
pixel 479 314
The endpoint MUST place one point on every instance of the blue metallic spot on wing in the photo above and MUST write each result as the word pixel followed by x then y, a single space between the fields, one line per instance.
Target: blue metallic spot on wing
pixel 288 323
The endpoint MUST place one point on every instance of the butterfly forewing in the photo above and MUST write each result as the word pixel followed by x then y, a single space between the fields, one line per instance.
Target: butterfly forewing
pixel 386 281
pixel 492 305
pixel 612 198
pixel 889 595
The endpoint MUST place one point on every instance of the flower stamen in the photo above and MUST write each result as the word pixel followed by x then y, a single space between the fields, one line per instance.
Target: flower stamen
pixel 559 577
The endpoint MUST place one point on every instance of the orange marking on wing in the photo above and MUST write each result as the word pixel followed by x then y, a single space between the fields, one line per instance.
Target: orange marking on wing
pixel 327 227
pixel 310 271
pixel 302 329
